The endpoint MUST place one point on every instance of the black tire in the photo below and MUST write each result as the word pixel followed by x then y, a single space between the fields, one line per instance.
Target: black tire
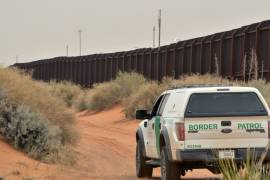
pixel 169 170
pixel 142 169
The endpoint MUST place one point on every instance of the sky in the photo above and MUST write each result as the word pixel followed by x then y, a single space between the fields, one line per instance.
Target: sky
pixel 39 29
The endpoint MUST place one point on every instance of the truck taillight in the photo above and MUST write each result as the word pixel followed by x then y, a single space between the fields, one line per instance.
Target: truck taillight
pixel 180 131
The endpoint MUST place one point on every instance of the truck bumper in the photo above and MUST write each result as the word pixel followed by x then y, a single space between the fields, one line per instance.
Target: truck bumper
pixel 206 155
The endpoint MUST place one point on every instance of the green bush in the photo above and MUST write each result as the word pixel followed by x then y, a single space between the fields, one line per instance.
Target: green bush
pixel 28 131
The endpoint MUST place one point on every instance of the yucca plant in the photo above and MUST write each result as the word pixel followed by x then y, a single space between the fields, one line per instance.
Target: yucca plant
pixel 251 169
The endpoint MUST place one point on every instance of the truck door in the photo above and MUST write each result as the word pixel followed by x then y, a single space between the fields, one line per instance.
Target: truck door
pixel 155 125
pixel 151 137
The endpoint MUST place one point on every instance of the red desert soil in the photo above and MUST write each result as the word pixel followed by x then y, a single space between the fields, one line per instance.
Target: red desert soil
pixel 106 151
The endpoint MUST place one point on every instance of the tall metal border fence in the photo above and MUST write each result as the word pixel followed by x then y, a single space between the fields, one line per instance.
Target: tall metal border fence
pixel 227 53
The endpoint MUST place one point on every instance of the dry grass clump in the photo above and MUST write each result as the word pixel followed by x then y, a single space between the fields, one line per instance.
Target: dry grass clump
pixel 104 95
pixel 143 98
pixel 107 94
pixel 201 79
pixel 262 86
pixel 129 82
pixel 81 103
pixel 67 91
pixel 20 89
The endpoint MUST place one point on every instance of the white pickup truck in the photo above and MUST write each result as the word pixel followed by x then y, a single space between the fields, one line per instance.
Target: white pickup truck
pixel 193 127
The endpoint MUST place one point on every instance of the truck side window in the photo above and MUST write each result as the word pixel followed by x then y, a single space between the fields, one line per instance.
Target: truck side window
pixel 163 103
pixel 156 106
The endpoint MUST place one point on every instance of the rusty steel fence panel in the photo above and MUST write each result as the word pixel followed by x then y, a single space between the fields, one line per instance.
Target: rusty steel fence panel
pixel 227 53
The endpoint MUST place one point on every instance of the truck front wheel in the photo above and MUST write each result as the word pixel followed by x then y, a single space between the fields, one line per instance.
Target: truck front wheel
pixel 142 169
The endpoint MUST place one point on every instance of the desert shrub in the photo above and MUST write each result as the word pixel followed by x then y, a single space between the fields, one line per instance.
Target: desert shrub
pixel 67 91
pixel 135 92
pixel 21 89
pixel 200 79
pixel 27 130
pixel 262 86
pixel 129 82
pixel 82 102
pixel 104 95
pixel 107 94
pixel 143 98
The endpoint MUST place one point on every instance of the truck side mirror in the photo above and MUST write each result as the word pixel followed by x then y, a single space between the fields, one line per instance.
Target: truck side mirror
pixel 142 114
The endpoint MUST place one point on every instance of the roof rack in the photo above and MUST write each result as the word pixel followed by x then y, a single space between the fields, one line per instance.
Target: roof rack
pixel 199 86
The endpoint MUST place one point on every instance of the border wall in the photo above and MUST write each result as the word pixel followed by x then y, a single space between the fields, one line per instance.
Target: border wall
pixel 228 53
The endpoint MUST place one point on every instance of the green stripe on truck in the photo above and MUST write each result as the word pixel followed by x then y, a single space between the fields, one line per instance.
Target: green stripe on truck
pixel 157 133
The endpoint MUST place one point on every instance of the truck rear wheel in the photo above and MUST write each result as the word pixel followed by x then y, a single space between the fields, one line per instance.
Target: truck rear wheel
pixel 169 170
pixel 142 169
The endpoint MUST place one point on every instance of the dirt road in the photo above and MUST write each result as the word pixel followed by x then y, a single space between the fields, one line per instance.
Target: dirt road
pixel 106 151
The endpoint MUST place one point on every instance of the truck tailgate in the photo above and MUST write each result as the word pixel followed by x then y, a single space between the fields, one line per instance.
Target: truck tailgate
pixel 226 132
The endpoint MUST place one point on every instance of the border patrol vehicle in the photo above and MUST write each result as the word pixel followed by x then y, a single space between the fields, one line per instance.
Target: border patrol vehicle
pixel 193 127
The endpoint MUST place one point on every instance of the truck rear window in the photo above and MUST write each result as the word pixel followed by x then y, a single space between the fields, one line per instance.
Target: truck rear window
pixel 224 104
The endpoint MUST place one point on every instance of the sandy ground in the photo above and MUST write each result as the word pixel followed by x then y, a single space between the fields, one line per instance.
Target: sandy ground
pixel 106 151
